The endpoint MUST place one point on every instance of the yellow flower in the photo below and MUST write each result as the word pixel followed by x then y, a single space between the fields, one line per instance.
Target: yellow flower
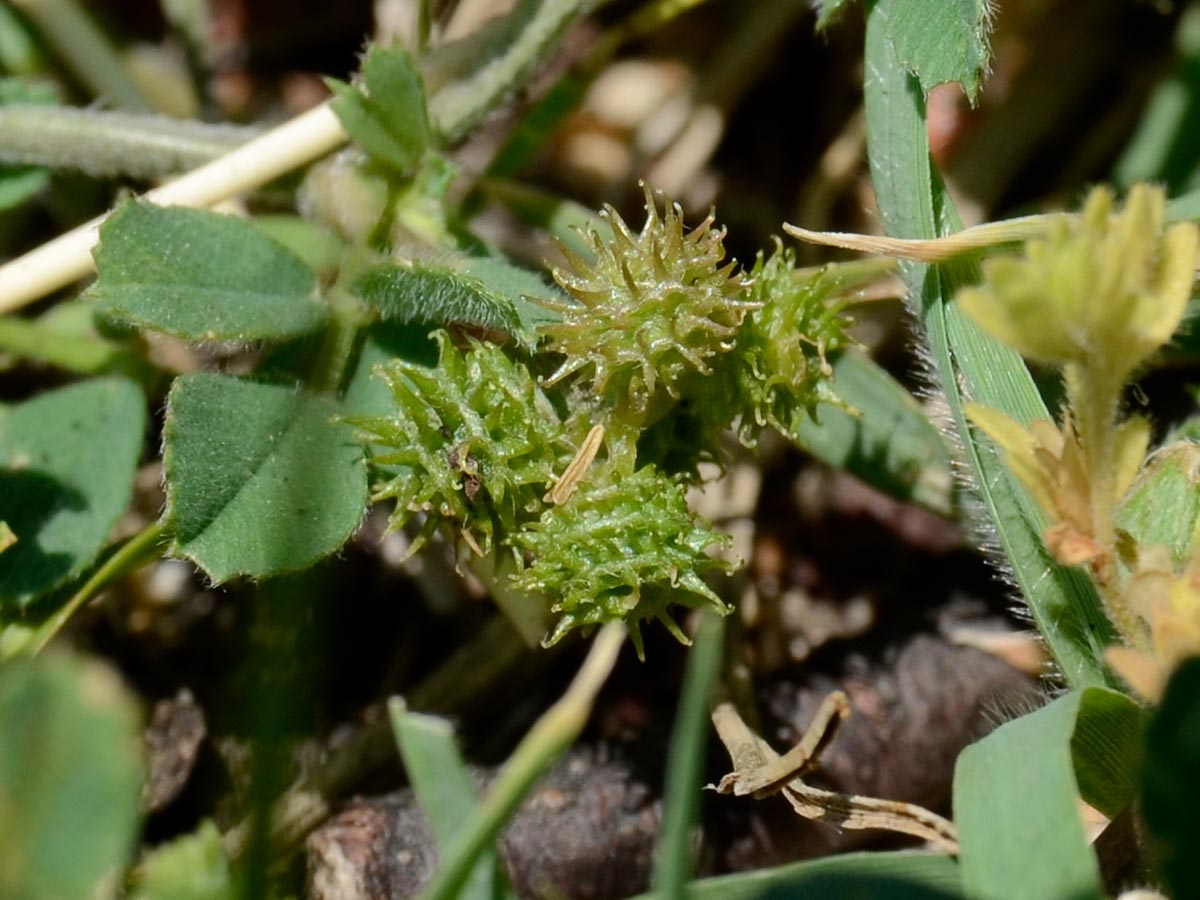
pixel 1049 462
pixel 1106 289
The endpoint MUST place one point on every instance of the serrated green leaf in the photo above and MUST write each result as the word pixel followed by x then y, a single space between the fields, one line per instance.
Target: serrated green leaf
pixel 192 867
pixel 436 296
pixel 904 875
pixel 939 40
pixel 1016 798
pixel 261 479
pixel 443 788
pixel 969 364
pixel 1163 506
pixel 70 779
pixel 386 113
pixel 201 276
pixel 67 460
pixel 1171 781
pixel 890 443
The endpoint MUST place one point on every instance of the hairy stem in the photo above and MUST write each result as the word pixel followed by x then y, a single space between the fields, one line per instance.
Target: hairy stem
pixel 136 552
pixel 112 144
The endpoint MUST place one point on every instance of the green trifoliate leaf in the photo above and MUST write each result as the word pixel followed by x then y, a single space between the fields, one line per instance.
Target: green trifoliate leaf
pixel 201 276
pixel 67 460
pixel 70 779
pixel 476 442
pixel 385 112
pixel 261 479
pixel 621 548
pixel 651 308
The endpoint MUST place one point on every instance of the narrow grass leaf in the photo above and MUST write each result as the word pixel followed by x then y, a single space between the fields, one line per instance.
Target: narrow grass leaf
pixel 889 443
pixel 385 112
pixel 1171 781
pixel 685 761
pixel 1016 805
pixel 261 479
pixel 550 736
pixel 969 364
pixel 201 277
pixel 67 461
pixel 443 787
pixel 70 779
pixel 901 875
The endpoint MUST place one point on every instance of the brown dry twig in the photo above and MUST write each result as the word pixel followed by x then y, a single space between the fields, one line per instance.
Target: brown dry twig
pixel 759 771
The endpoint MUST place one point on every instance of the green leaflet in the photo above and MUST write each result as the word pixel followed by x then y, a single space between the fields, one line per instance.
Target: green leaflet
pixel 70 779
pixel 261 479
pixel 1016 796
pixel 969 364
pixel 201 276
pixel 1163 505
pixel 385 113
pixel 936 40
pixel 433 295
pixel 444 789
pixel 940 40
pixel 67 460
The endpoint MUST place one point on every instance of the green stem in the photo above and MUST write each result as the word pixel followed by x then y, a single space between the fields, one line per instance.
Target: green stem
pixel 328 372
pixel 459 106
pixel 111 144
pixel 550 736
pixel 137 551
pixel 86 51
pixel 1095 397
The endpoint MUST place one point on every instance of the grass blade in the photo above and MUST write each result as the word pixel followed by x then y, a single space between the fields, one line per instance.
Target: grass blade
pixel 969 364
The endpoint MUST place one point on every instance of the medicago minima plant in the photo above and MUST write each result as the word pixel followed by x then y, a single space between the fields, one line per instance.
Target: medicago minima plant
pixel 547 424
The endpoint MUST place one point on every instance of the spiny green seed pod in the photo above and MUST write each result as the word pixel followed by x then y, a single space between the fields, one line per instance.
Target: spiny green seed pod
pixel 779 364
pixel 620 549
pixel 650 308
pixel 474 440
